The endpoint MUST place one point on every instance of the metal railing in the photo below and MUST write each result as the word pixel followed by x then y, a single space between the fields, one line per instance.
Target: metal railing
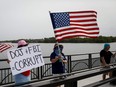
pixel 71 80
pixel 76 62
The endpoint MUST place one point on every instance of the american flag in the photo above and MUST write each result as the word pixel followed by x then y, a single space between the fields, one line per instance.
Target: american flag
pixel 73 24
pixel 4 46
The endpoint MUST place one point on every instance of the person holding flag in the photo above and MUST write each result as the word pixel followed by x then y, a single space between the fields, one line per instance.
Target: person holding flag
pixel 71 24
pixel 58 60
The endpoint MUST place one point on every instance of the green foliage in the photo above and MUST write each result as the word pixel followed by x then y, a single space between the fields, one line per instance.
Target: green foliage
pixel 100 39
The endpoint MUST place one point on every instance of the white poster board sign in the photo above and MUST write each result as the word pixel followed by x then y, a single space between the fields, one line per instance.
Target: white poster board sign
pixel 25 58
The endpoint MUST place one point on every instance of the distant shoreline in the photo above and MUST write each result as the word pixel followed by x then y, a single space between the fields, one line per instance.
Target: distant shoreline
pixel 100 39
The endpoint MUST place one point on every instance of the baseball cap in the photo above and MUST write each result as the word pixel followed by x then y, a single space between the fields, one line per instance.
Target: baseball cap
pixel 22 43
pixel 106 45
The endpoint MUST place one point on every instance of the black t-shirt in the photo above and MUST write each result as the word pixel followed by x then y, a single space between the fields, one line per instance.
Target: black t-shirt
pixel 57 67
pixel 106 55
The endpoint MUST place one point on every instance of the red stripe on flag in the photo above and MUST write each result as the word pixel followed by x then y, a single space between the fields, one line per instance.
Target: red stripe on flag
pixel 75 28
pixel 77 32
pixel 94 24
pixel 83 12
pixel 82 16
pixel 87 20
pixel 76 36
pixel 4 47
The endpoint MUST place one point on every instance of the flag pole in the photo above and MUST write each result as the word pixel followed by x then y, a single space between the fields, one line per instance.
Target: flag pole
pixel 58 47
pixel 55 36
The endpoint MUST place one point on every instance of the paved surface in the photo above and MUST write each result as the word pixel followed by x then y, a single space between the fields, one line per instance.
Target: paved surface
pixel 107 85
pixel 87 81
pixel 81 83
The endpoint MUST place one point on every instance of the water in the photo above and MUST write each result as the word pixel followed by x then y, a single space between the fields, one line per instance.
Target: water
pixel 76 48
pixel 69 49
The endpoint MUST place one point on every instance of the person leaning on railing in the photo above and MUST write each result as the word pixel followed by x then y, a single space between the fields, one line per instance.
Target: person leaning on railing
pixel 105 58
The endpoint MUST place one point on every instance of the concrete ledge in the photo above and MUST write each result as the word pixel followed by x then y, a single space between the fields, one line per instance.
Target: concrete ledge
pixel 99 83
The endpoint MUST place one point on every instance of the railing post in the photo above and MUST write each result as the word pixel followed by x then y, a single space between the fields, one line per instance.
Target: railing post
pixel 69 64
pixel 40 73
pixel 90 61
pixel 72 83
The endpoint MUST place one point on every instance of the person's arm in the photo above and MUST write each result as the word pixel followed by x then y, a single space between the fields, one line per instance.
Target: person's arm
pixel 103 61
pixel 64 61
pixel 8 61
pixel 114 55
pixel 55 59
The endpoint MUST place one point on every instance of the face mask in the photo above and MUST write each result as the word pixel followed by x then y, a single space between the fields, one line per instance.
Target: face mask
pixel 57 51
pixel 61 49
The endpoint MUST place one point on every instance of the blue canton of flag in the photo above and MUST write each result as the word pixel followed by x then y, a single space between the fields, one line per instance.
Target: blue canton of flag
pixel 60 20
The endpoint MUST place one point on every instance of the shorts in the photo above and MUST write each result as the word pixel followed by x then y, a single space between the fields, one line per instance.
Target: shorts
pixel 20 78
pixel 105 68
pixel 59 76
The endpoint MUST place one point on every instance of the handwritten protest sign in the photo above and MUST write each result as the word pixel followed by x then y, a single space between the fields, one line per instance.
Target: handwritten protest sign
pixel 25 58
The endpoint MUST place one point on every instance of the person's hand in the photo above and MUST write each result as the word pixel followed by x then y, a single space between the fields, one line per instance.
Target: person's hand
pixel 8 61
pixel 59 56
pixel 64 61
pixel 114 55
pixel 106 65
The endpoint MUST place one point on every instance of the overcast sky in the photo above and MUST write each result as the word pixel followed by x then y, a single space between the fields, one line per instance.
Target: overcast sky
pixel 29 19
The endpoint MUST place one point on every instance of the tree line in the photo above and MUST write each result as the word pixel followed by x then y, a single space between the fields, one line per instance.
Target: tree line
pixel 100 39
